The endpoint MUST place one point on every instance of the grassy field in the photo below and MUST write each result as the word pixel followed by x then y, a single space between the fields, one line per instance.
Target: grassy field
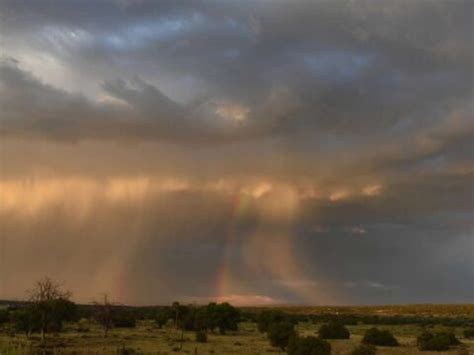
pixel 435 310
pixel 86 337
pixel 149 339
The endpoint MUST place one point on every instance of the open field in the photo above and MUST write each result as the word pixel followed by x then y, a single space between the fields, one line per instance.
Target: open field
pixel 86 337
pixel 435 310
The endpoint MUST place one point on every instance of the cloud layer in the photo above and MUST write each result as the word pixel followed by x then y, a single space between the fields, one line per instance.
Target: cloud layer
pixel 178 150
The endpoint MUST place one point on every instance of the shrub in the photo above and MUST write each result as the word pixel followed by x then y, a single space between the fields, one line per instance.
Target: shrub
pixel 266 318
pixel 82 326
pixel 440 341
pixel 4 316
pixel 125 320
pixel 376 336
pixel 308 346
pixel 280 333
pixel 468 333
pixel 27 320
pixel 201 336
pixel 364 349
pixel 221 316
pixel 334 330
pixel 126 351
pixel 163 316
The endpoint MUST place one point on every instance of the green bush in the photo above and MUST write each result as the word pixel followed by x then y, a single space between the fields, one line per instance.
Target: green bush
pixel 280 333
pixel 201 336
pixel 440 341
pixel 468 333
pixel 364 349
pixel 376 336
pixel 308 346
pixel 334 330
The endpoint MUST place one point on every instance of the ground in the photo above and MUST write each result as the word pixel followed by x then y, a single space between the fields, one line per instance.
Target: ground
pixel 149 339
pixel 86 337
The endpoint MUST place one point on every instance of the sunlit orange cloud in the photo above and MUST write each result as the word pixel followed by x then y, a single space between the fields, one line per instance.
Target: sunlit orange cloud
pixel 31 195
pixel 339 195
pixel 232 112
pixel 372 190
pixel 275 200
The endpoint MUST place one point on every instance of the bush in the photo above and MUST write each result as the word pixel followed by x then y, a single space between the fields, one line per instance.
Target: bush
pixel 280 333
pixel 221 316
pixel 125 320
pixel 266 318
pixel 27 320
pixel 4 316
pixel 333 330
pixel 440 341
pixel 308 346
pixel 163 316
pixel 468 333
pixel 376 336
pixel 364 349
pixel 201 336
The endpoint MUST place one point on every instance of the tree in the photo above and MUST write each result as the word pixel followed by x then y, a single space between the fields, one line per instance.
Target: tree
pixel 222 316
pixel 46 297
pixel 280 334
pixel 104 315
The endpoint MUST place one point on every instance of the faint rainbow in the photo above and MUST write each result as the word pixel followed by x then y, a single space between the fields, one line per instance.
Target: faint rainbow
pixel 240 203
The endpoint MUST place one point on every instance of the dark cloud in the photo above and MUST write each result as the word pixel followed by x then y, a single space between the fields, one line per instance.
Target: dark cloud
pixel 343 66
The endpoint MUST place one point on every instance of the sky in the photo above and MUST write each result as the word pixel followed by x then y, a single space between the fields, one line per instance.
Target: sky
pixel 255 152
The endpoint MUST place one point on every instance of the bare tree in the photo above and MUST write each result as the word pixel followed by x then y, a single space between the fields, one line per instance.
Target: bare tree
pixel 44 295
pixel 104 314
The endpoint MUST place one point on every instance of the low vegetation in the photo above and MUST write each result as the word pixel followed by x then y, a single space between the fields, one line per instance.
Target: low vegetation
pixel 334 330
pixel 375 336
pixel 364 349
pixel 201 336
pixel 280 333
pixel 50 322
pixel 268 317
pixel 308 346
pixel 468 333
pixel 439 341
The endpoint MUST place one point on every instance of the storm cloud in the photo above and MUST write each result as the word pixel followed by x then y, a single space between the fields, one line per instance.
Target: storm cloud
pixel 256 152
